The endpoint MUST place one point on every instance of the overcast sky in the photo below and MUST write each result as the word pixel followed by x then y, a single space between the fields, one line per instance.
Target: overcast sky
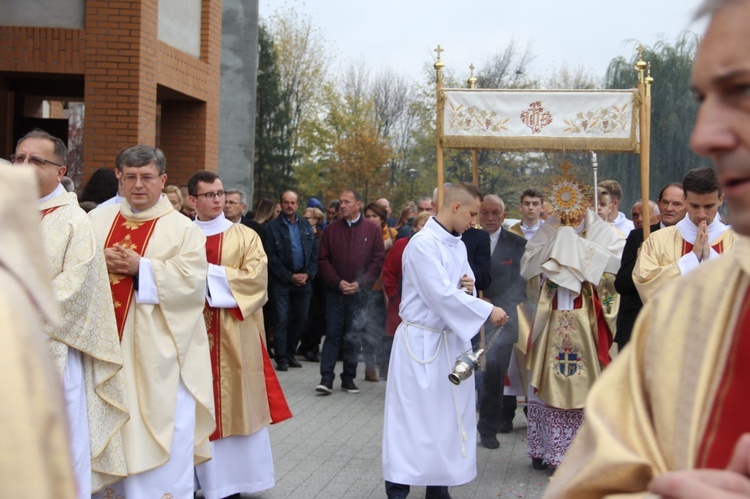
pixel 401 34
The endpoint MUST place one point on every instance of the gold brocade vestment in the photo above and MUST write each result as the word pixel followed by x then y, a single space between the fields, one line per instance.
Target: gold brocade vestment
pixel 657 262
pixel 649 411
pixel 82 289
pixel 237 348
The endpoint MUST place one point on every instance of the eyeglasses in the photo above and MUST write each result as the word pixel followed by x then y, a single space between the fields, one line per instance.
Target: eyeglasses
pixel 133 179
pixel 211 195
pixel 21 158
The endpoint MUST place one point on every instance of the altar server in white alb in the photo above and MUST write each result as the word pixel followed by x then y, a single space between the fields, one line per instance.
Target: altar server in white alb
pixel 429 434
pixel 84 344
pixel 247 394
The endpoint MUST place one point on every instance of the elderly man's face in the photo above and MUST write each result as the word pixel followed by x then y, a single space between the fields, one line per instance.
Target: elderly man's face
pixel 721 81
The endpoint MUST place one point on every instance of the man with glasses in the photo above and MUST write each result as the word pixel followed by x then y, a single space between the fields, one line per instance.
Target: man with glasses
pixel 247 395
pixel 84 342
pixel 157 264
pixel 292 263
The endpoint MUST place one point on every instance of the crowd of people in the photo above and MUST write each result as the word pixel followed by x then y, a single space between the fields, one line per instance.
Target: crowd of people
pixel 169 310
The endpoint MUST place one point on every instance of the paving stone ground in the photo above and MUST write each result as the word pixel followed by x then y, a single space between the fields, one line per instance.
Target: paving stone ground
pixel 331 448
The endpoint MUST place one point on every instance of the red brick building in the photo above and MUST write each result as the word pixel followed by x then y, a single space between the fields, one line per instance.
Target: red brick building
pixel 147 71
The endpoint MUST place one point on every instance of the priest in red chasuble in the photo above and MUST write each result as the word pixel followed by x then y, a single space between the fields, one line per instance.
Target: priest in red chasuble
pixel 670 415
pixel 156 259
pixel 247 394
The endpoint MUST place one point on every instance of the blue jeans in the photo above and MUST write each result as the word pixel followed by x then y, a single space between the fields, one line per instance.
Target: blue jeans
pixel 341 334
pixel 291 305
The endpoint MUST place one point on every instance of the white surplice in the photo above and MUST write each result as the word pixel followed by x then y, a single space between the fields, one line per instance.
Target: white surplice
pixel 429 432
pixel 240 463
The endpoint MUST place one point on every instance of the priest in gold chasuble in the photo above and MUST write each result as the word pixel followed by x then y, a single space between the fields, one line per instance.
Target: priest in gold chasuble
pixel 84 345
pixel 247 394
pixel 157 263
pixel 570 267
pixel 699 237
pixel 34 446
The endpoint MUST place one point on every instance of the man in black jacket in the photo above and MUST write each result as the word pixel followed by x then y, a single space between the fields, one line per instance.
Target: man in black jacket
pixel 672 208
pixel 292 264
pixel 506 290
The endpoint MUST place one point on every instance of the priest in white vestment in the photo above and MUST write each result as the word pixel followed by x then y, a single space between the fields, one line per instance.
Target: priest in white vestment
pixel 157 263
pixel 429 432
pixel 84 344
pixel 34 447
pixel 247 394
pixel 697 238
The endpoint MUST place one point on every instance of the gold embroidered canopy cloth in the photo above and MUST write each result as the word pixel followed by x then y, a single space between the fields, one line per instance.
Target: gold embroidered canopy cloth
pixel 550 120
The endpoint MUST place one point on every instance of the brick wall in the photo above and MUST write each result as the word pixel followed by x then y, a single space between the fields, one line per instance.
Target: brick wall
pixel 123 63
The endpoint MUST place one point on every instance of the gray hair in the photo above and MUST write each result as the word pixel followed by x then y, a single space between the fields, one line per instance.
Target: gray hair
pixel 67 182
pixel 61 151
pixel 141 155
pixel 243 196
pixel 711 7
pixel 497 199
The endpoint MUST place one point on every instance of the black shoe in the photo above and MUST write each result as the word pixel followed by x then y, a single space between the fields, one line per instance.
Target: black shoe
pixel 505 427
pixel 294 363
pixel 311 356
pixel 348 386
pixel 488 441
pixel 538 464
pixel 325 387
pixel 282 366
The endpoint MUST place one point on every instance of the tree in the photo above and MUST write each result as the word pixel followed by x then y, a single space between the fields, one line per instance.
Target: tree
pixel 273 167
pixel 302 63
pixel 674 110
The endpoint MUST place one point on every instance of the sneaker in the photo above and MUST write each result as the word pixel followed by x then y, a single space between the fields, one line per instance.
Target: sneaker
pixel 348 386
pixel 325 387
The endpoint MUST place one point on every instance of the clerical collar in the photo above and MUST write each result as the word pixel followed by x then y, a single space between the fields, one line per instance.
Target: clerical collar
pixel 59 191
pixel 215 226
pixel 141 211
pixel 529 227
pixel 353 222
pixel 452 233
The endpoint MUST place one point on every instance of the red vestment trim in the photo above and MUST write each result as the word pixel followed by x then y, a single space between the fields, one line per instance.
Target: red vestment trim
pixel 276 401
pixel 131 235
pixel 687 247
pixel 212 317
pixel 48 211
pixel 728 420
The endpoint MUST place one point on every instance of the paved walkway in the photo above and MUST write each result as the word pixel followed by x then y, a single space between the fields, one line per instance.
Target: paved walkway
pixel 331 448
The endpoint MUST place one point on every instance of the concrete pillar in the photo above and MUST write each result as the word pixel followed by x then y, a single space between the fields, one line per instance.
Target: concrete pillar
pixel 239 68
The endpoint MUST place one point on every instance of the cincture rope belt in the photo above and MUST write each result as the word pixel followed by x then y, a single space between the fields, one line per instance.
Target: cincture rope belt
pixel 442 340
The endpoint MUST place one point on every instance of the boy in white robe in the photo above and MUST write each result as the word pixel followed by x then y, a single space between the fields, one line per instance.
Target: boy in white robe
pixel 429 432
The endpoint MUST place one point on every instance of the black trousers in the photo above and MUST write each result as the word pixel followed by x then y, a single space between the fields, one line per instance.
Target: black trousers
pixel 491 400
pixel 400 491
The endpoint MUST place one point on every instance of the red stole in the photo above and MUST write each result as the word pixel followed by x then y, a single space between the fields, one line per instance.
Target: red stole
pixel 728 420
pixel 277 402
pixel 131 235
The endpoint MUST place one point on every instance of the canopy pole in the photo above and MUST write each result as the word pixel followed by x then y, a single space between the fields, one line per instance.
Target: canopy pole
pixel 644 93
pixel 439 65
